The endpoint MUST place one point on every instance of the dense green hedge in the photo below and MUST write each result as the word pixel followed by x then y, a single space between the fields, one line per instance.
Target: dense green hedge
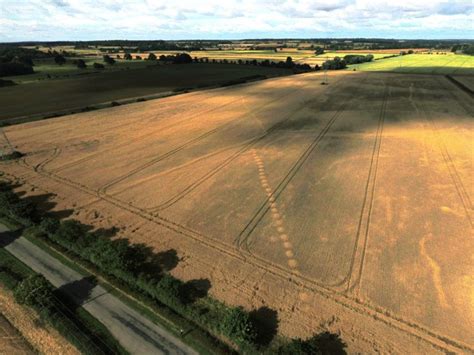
pixel 334 64
pixel 133 265
pixel 357 58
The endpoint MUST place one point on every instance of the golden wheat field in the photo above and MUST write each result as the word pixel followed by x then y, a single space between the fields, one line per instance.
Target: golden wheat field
pixel 344 207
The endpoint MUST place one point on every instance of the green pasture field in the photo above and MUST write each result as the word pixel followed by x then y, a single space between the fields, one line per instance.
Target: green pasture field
pixel 47 67
pixel 47 96
pixel 422 63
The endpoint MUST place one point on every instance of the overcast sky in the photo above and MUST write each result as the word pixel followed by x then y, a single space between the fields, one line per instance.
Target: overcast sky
pixel 23 20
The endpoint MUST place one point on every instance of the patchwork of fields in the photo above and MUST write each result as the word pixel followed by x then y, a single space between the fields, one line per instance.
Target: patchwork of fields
pixel 355 195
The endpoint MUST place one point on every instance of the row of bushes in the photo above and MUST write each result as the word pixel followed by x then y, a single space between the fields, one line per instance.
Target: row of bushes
pixel 338 63
pixel 288 64
pixel 463 48
pixel 17 60
pixel 15 68
pixel 75 324
pixel 135 266
pixel 357 59
pixel 334 64
pixel 182 58
pixel 139 269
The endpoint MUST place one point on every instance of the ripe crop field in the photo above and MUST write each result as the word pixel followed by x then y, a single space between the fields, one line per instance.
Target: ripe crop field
pixel 422 63
pixel 344 207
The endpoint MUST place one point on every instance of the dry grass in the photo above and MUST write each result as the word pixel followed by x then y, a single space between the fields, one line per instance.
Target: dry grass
pixel 11 341
pixel 42 338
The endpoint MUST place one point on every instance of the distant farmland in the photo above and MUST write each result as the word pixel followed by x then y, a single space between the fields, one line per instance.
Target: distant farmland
pixel 344 206
pixel 423 63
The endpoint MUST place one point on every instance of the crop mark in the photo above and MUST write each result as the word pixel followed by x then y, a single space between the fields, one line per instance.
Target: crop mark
pixel 252 224
pixel 286 245
pixel 276 216
pixel 244 235
pixel 214 171
pixel 448 161
pixel 8 144
pixel 435 270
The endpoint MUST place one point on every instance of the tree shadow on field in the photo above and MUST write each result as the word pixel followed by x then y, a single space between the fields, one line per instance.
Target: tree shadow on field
pixel 43 204
pixel 167 260
pixel 193 290
pixel 330 344
pixel 62 214
pixel 265 321
pixel 106 232
pixel 150 262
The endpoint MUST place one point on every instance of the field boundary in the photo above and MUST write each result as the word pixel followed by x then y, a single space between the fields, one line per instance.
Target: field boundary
pixel 460 85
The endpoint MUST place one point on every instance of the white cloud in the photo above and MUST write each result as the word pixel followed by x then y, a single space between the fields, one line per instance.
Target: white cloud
pixel 149 19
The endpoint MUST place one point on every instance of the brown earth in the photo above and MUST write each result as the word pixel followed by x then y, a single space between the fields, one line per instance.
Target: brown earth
pixel 343 207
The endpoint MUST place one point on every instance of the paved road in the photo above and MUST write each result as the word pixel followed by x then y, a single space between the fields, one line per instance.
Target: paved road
pixel 136 334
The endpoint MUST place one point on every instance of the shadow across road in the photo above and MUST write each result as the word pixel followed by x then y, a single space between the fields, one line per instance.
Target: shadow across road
pixel 7 237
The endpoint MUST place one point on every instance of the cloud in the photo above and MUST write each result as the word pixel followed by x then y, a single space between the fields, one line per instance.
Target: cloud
pixel 454 8
pixel 158 19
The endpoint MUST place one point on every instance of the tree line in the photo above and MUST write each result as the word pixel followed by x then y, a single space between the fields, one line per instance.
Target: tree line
pixel 463 48
pixel 17 60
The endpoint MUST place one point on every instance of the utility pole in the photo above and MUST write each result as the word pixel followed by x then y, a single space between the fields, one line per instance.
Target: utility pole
pixel 325 77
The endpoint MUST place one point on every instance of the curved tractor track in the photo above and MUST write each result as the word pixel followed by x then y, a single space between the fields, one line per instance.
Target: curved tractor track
pixel 203 136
